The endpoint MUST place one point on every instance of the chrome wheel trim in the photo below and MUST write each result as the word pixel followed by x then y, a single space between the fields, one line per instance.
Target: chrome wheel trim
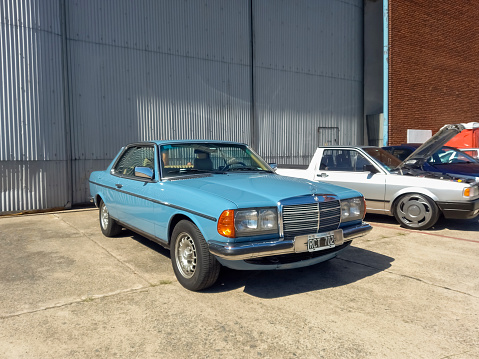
pixel 185 255
pixel 414 210
pixel 104 216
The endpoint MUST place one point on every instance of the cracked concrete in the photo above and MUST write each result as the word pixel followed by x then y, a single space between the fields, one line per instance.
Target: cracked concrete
pixel 66 290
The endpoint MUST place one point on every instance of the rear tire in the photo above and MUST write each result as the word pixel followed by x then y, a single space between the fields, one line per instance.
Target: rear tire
pixel 109 227
pixel 194 266
pixel 416 211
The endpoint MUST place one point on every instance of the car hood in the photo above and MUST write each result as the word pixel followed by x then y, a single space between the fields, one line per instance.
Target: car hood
pixel 254 189
pixel 464 169
pixel 428 148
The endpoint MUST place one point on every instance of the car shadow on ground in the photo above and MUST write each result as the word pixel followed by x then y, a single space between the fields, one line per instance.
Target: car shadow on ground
pixel 380 218
pixel 146 242
pixel 351 265
pixel 469 225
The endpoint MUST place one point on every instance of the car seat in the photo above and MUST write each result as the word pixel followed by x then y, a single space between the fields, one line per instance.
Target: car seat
pixel 202 161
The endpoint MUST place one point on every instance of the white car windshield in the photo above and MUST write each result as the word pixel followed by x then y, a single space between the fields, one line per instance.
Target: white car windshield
pixel 388 161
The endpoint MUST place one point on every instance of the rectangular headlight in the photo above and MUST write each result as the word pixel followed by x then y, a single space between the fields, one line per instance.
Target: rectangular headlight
pixel 352 209
pixel 256 221
pixel 246 220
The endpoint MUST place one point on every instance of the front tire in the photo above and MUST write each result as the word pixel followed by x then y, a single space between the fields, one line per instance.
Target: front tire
pixel 108 225
pixel 416 211
pixel 194 266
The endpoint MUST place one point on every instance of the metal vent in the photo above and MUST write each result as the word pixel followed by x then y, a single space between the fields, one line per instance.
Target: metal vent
pixel 308 218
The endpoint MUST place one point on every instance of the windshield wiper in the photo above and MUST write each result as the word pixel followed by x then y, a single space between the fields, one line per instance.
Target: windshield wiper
pixel 188 170
pixel 247 168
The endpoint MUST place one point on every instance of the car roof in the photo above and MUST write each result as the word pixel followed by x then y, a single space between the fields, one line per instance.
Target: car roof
pixel 171 142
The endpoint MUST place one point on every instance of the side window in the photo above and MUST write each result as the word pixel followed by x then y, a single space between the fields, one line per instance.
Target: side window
pixel 360 161
pixel 136 156
pixel 343 160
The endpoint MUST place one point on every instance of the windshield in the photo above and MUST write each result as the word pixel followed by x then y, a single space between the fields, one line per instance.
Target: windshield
pixel 448 155
pixel 389 161
pixel 191 158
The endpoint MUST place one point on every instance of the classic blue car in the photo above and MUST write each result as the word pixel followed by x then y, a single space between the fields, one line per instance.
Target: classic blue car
pixel 216 203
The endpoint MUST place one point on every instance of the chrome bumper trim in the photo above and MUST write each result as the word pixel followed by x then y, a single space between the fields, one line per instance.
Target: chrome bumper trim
pixel 247 250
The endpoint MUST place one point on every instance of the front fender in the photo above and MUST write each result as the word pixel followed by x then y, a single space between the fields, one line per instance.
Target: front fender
pixel 403 191
pixel 205 226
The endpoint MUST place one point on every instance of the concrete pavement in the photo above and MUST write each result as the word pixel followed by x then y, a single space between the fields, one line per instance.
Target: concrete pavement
pixel 66 290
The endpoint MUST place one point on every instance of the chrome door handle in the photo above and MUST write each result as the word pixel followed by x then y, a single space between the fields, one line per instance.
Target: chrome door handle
pixel 322 175
pixel 118 185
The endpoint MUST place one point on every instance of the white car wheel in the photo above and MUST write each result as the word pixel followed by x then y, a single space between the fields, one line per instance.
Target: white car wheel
pixel 416 211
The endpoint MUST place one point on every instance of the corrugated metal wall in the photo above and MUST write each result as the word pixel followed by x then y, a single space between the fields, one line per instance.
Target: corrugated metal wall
pixel 167 69
pixel 161 70
pixel 308 74
pixel 33 157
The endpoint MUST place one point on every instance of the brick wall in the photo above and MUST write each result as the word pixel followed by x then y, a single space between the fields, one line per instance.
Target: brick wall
pixel 433 65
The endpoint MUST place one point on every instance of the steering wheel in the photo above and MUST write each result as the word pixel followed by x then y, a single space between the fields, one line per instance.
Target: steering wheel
pixel 229 165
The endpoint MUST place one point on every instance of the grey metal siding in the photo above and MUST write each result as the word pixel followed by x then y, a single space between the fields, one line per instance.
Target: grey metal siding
pixel 308 74
pixel 162 70
pixel 168 69
pixel 32 147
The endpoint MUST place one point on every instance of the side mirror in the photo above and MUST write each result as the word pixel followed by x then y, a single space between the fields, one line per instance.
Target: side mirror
pixel 274 166
pixel 144 172
pixel 370 168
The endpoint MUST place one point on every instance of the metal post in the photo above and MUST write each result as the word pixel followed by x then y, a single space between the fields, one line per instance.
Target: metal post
pixel 253 118
pixel 386 71
pixel 66 105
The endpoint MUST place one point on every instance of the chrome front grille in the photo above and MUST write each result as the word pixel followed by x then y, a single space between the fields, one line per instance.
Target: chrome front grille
pixel 321 214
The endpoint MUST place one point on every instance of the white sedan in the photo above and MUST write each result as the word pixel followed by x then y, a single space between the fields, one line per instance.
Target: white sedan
pixel 393 187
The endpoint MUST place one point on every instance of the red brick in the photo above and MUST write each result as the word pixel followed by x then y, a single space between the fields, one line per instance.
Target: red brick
pixel 433 65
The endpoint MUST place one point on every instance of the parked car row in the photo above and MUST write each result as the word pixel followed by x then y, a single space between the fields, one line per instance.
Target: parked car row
pixel 404 188
pixel 217 203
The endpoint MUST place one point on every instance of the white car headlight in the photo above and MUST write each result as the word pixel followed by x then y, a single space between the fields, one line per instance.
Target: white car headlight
pixel 352 209
pixel 255 221
pixel 471 191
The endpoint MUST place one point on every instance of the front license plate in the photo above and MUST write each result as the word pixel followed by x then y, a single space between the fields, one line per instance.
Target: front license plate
pixel 320 241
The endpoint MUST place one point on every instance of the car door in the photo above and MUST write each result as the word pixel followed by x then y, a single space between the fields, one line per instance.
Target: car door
pixel 135 180
pixel 346 167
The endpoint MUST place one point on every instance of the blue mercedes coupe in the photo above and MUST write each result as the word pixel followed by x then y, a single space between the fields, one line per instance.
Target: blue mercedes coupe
pixel 214 203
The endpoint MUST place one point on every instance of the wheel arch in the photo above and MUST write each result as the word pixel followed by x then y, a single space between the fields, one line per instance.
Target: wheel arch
pixel 411 190
pixel 175 220
pixel 97 199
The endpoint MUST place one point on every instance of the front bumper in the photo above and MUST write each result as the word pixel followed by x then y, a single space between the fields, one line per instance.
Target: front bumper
pixel 248 250
pixel 460 210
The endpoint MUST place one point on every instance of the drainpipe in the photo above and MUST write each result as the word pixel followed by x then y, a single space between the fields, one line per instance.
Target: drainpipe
pixel 386 72
pixel 66 106
pixel 253 122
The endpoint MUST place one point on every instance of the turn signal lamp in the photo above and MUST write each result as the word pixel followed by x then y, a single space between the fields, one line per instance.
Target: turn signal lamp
pixel 226 223
pixel 364 205
pixel 471 191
